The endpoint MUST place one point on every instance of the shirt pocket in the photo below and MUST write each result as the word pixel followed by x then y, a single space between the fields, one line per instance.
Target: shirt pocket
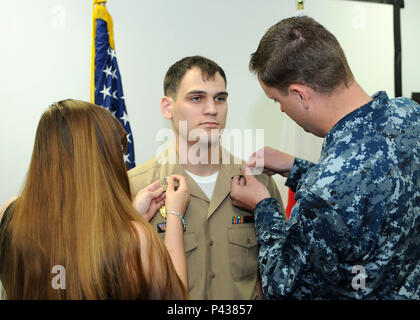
pixel 243 252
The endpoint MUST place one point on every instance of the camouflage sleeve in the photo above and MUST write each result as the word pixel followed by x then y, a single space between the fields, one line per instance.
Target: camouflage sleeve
pixel 299 258
pixel 299 169
pixel 275 193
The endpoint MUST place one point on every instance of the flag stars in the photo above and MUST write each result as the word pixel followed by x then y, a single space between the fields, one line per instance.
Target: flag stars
pixel 114 74
pixel 111 53
pixel 124 118
pixel 108 71
pixel 126 158
pixel 108 84
pixel 105 91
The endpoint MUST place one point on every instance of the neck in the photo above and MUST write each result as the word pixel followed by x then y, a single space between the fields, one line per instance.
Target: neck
pixel 199 159
pixel 341 102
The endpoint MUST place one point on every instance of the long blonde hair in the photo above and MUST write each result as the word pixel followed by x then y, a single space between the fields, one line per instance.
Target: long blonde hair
pixel 75 211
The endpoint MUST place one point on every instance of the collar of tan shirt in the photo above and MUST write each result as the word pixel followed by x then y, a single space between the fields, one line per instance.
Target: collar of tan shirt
pixel 169 164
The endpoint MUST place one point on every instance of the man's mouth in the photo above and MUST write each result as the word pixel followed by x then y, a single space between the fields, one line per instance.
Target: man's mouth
pixel 209 124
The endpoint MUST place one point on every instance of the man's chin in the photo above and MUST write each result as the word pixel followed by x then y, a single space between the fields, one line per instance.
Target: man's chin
pixel 209 141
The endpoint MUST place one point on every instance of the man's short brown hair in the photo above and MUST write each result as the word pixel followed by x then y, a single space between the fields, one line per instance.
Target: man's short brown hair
pixel 177 71
pixel 300 50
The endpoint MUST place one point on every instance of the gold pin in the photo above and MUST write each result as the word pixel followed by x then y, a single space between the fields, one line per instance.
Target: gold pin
pixel 162 211
pixel 164 183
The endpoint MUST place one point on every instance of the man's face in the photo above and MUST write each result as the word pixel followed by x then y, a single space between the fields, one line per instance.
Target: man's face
pixel 201 102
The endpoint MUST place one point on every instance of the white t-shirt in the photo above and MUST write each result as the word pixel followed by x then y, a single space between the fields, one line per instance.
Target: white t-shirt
pixel 206 184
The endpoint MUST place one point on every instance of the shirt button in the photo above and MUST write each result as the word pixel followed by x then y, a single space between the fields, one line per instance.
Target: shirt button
pixel 212 275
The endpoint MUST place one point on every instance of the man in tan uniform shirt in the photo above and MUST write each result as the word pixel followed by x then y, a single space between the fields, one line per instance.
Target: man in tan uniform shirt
pixel 220 240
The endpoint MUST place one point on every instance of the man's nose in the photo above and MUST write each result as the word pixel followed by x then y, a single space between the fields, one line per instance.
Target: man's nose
pixel 210 107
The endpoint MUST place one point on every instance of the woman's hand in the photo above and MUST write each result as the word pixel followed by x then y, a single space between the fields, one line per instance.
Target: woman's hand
pixel 149 199
pixel 177 199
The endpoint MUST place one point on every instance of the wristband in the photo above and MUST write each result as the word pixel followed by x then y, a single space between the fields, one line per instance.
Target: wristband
pixel 181 217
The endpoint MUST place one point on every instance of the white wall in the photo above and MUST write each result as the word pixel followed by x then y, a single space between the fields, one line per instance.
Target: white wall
pixel 45 55
pixel 410 19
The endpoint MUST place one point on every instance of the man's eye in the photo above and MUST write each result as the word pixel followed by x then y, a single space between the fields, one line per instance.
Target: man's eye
pixel 196 99
pixel 220 99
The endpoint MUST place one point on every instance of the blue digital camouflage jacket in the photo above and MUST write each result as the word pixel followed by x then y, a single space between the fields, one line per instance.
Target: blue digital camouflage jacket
pixel 354 232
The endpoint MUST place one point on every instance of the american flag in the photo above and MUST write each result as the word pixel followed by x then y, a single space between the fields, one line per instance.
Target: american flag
pixel 108 88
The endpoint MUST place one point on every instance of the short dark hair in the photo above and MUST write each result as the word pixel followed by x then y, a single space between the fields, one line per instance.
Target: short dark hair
pixel 177 71
pixel 300 50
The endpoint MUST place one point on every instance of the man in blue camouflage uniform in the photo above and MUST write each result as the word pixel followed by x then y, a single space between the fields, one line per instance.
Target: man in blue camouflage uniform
pixel 354 231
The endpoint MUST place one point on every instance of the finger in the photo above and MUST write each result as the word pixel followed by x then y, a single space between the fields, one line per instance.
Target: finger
pixel 245 170
pixel 161 197
pixel 257 155
pixel 242 181
pixel 153 186
pixel 177 177
pixel 159 200
pixel 235 180
pixel 260 152
pixel 182 182
pixel 234 187
pixel 252 161
pixel 269 172
pixel 156 205
pixel 156 193
pixel 171 184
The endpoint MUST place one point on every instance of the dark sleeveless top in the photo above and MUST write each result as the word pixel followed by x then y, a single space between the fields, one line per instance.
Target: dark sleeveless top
pixel 3 232
pixel 6 217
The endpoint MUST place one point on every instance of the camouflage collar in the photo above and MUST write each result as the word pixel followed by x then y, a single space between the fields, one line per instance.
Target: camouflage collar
pixel 359 117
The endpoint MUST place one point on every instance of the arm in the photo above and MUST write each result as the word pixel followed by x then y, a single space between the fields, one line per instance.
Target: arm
pixel 177 200
pixel 275 193
pixel 299 169
pixel 147 201
pixel 159 271
pixel 299 258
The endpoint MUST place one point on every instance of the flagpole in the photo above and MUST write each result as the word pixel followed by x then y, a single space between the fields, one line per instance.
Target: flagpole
pixel 95 14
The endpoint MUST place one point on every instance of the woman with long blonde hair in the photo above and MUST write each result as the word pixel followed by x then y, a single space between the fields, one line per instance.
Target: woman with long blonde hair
pixel 75 212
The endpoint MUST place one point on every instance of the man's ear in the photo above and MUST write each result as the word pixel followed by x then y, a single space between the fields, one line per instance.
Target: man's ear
pixel 166 107
pixel 302 93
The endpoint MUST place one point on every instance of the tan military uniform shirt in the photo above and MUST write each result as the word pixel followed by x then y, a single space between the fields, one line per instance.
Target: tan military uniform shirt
pixel 221 256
